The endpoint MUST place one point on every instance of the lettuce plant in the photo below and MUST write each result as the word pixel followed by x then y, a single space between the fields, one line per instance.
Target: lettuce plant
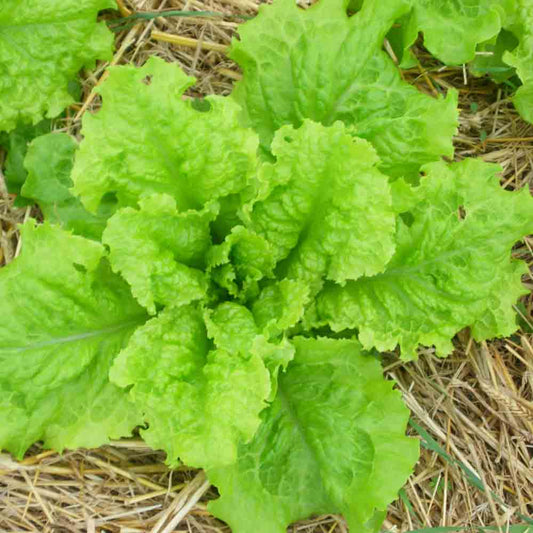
pixel 222 275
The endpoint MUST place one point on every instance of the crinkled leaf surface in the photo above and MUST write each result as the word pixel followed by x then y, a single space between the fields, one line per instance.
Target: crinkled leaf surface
pixel 281 305
pixel 452 29
pixel 240 262
pixel 452 267
pixel 160 251
pixel 234 328
pixel 49 162
pixel 65 317
pixel 146 139
pixel 324 207
pixel 43 45
pixel 322 65
pixel 333 441
pixel 199 400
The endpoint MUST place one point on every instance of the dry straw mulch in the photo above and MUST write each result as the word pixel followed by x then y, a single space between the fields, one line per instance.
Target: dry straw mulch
pixel 473 411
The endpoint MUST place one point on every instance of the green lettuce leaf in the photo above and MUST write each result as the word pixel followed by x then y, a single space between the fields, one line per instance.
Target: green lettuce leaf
pixel 16 145
pixel 234 328
pixel 452 30
pixel 65 317
pixel 200 400
pixel 452 267
pixel 49 162
pixel 333 441
pixel 521 58
pixel 240 262
pixel 324 207
pixel 146 139
pixel 322 65
pixel 159 251
pixel 280 306
pixel 43 45
pixel 489 60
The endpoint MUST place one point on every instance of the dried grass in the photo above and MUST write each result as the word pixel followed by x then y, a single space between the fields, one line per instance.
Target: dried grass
pixel 476 406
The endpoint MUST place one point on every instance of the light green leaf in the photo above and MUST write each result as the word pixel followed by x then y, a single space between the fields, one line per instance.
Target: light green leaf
pixel 159 251
pixel 43 45
pixel 521 58
pixel 280 306
pixel 146 139
pixel 333 441
pixel 233 328
pixel 452 30
pixel 276 355
pixel 489 60
pixel 65 316
pixel 322 65
pixel 49 162
pixel 323 206
pixel 240 262
pixel 16 146
pixel 452 267
pixel 200 402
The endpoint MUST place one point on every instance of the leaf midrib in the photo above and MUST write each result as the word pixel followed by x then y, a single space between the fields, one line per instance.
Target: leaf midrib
pixel 75 338
pixel 293 417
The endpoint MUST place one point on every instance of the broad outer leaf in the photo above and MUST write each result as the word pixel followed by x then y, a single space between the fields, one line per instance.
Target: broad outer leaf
pixel 43 45
pixel 159 250
pixel 322 65
pixel 333 441
pixel 64 318
pixel 452 267
pixel 452 29
pixel 49 162
pixel 199 401
pixel 145 139
pixel 324 206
